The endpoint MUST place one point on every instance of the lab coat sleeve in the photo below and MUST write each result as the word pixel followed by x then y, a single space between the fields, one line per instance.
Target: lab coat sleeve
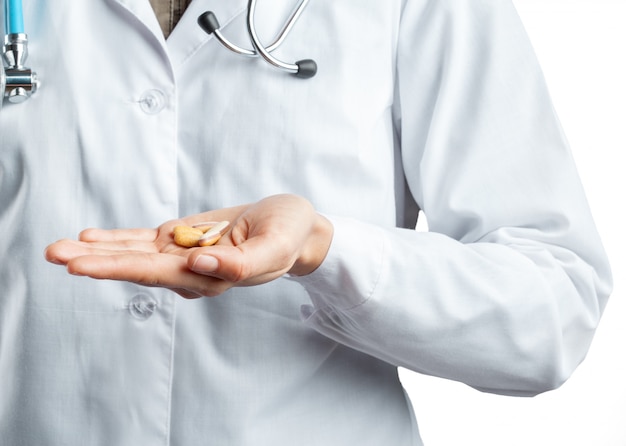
pixel 506 289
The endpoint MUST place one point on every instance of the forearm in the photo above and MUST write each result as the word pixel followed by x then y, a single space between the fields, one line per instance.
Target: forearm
pixel 505 319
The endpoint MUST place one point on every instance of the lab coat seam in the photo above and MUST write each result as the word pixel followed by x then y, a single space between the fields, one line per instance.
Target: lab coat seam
pixel 177 147
pixel 383 256
pixel 168 415
pixel 195 50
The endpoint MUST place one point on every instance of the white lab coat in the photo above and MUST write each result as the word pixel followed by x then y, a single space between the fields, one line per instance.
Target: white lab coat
pixel 436 103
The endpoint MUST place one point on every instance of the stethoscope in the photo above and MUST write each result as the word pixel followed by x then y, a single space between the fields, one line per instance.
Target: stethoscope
pixel 303 68
pixel 17 82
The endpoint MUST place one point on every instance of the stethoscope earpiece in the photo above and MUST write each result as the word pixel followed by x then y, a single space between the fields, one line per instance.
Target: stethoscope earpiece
pixel 208 22
pixel 303 69
pixel 306 68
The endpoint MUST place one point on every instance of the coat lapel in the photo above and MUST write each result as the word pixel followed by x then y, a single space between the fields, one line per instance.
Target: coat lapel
pixel 187 36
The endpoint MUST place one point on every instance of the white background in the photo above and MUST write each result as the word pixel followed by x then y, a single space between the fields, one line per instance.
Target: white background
pixel 581 45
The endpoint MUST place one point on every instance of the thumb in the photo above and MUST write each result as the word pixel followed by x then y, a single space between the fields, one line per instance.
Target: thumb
pixel 222 262
pixel 247 264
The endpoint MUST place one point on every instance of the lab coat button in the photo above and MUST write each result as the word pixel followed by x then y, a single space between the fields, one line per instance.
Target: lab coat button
pixel 142 307
pixel 152 101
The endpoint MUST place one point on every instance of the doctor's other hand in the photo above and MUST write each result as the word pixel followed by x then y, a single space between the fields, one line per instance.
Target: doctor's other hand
pixel 277 235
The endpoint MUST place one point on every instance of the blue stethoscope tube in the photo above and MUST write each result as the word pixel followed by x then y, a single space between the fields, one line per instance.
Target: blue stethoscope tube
pixel 17 82
pixel 13 17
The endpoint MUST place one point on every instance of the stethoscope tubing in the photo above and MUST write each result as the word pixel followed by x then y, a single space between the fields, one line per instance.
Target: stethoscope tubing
pixel 304 68
pixel 280 38
pixel 17 82
pixel 258 46
pixel 13 17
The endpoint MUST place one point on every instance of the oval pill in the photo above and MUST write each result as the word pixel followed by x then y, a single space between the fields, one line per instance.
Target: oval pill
pixel 211 236
pixel 187 236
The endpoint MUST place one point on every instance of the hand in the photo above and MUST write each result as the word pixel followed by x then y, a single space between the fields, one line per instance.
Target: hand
pixel 277 235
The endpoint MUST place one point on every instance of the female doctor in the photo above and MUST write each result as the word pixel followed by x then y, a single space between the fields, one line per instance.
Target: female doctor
pixel 321 288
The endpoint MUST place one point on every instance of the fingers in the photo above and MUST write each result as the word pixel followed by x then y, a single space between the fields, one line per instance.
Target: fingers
pixel 153 270
pixel 63 251
pixel 112 235
pixel 101 242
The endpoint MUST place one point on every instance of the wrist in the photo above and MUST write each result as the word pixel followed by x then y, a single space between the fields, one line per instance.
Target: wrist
pixel 315 248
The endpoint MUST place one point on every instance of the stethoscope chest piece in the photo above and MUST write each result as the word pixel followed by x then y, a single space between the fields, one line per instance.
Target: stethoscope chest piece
pixel 18 81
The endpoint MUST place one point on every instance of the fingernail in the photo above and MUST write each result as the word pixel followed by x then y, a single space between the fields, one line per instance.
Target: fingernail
pixel 205 264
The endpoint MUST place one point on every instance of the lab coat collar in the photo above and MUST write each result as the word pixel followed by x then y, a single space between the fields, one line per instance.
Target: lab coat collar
pixel 187 36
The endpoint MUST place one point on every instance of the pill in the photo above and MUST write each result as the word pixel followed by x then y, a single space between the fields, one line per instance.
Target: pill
pixel 200 234
pixel 187 236
pixel 214 233
pixel 205 226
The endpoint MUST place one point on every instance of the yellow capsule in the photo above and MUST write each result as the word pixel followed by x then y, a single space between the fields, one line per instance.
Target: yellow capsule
pixel 186 236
